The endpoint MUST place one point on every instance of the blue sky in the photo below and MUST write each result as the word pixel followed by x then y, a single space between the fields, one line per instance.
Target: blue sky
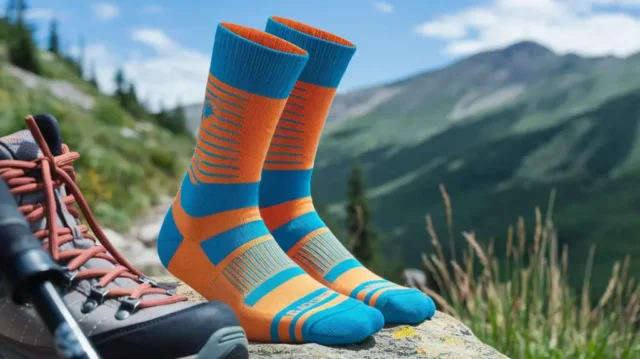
pixel 164 45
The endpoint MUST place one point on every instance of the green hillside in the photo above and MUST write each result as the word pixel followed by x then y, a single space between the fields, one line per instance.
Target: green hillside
pixel 499 130
pixel 126 162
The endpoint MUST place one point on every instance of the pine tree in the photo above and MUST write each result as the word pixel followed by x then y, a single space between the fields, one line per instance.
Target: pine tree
pixel 54 41
pixel 22 48
pixel 361 238
pixel 120 86
pixel 179 118
pixel 80 60
pixel 174 120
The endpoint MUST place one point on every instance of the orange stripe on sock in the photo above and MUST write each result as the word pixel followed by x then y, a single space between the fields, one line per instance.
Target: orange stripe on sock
pixel 256 324
pixel 258 117
pixel 189 263
pixel 353 278
pixel 313 117
pixel 273 301
pixel 197 229
pixel 215 160
pixel 298 329
pixel 273 149
pixel 280 214
pixel 374 298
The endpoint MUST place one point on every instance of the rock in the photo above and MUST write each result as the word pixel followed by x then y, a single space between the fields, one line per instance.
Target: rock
pixel 415 278
pixel 442 337
pixel 58 88
pixel 128 133
pixel 115 238
pixel 148 233
pixel 138 245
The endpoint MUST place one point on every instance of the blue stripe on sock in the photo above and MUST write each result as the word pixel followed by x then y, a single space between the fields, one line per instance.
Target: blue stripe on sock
pixel 369 295
pixel 249 66
pixel 270 284
pixel 220 246
pixel 169 239
pixel 282 186
pixel 292 327
pixel 275 337
pixel 341 268
pixel 358 289
pixel 291 232
pixel 328 60
pixel 211 198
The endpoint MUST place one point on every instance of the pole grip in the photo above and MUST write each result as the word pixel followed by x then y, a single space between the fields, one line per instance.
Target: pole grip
pixel 23 261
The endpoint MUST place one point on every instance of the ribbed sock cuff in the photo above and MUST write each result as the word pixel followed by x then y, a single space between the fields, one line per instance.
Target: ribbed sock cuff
pixel 329 55
pixel 254 61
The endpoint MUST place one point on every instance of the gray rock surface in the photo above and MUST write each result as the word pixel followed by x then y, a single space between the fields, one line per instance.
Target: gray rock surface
pixel 59 88
pixel 442 337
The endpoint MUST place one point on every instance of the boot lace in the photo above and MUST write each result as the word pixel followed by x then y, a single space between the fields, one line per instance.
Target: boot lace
pixel 58 171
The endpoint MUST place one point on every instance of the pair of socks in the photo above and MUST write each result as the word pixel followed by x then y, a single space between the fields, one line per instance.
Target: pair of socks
pixel 242 228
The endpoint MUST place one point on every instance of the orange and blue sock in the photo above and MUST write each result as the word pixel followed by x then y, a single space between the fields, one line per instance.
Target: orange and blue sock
pixel 285 189
pixel 213 237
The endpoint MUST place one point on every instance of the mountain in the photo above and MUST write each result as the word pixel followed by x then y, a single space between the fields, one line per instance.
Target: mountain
pixel 500 130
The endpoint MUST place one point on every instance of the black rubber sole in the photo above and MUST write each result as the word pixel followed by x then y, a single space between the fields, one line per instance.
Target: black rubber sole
pixel 226 343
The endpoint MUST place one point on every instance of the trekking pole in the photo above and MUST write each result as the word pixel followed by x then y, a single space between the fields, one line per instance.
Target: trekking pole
pixel 30 275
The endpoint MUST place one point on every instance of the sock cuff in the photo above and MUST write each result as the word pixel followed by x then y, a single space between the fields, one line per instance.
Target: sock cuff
pixel 329 54
pixel 255 61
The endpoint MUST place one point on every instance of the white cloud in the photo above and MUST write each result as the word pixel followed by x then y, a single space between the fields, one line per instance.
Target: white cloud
pixel 383 7
pixel 154 38
pixel 39 14
pixel 578 26
pixel 173 73
pixel 153 9
pixel 105 10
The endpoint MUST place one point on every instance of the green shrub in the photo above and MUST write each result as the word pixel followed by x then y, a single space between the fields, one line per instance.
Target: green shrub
pixel 162 159
pixel 108 112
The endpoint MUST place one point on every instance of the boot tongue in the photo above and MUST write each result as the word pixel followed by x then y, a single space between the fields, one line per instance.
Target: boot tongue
pixel 23 147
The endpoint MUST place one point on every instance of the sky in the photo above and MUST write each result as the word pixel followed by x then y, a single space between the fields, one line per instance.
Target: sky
pixel 164 46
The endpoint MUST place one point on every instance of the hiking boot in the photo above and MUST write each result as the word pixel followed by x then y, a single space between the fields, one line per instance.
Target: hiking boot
pixel 124 314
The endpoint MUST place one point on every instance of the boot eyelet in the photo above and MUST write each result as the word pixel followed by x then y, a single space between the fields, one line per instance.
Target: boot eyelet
pixel 127 307
pixel 70 276
pixel 148 280
pixel 96 297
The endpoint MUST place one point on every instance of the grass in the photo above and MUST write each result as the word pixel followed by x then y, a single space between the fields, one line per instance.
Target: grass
pixel 125 164
pixel 520 302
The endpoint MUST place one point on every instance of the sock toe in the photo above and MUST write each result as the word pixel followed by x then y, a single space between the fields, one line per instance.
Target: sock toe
pixel 347 323
pixel 407 306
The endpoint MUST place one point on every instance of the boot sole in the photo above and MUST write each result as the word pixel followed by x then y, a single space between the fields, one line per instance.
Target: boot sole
pixel 226 343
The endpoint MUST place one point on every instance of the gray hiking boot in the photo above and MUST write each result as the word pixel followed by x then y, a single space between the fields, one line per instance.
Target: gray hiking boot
pixel 124 314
